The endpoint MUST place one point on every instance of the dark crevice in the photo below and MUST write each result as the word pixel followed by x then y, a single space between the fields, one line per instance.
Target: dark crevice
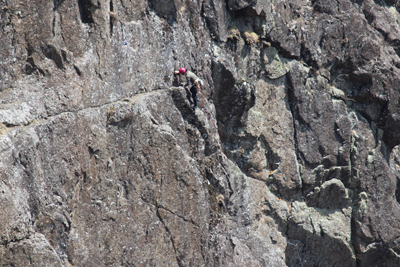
pixel 232 102
pixel 292 103
pixel 85 177
pixel 305 56
pixel 64 55
pixel 282 51
pixel 85 11
pixel 343 75
pixel 57 4
pixel 54 26
pixel 78 71
pixel 396 46
pixel 92 151
pixel 370 17
pixel 397 194
pixel 31 67
pixel 293 108
pixel 51 52
pixel 15 239
pixel 242 8
pixel 108 219
pixel 113 17
pixel 30 49
pixel 154 121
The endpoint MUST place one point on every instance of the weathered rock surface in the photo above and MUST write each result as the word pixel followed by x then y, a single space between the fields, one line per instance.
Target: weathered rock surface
pixel 292 158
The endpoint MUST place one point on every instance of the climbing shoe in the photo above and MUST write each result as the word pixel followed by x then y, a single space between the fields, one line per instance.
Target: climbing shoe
pixel 194 107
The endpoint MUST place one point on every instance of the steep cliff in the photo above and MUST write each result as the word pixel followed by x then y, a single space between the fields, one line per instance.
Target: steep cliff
pixel 292 158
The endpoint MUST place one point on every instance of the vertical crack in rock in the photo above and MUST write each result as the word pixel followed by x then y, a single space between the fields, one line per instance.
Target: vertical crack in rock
pixel 292 104
pixel 113 18
pixel 86 11
pixel 178 259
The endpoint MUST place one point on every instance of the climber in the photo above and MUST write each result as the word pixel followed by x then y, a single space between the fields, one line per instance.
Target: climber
pixel 194 80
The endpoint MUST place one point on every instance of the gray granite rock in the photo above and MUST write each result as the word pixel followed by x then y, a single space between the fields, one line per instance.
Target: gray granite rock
pixel 292 158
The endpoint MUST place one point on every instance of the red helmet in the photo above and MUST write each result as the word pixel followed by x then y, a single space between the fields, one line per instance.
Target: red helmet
pixel 182 70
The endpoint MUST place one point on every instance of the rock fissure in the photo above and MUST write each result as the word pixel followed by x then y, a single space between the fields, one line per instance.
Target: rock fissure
pixel 178 260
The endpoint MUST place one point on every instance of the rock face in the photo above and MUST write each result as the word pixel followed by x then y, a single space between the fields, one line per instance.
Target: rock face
pixel 292 159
